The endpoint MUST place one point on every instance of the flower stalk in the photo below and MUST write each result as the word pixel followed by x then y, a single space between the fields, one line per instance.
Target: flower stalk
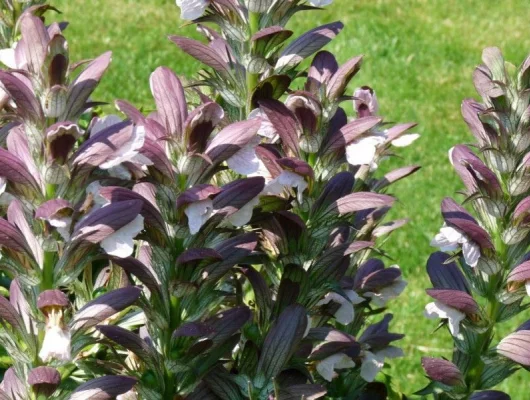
pixel 485 257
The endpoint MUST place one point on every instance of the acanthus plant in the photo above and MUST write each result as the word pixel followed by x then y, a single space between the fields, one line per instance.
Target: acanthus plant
pixel 480 276
pixel 266 211
pixel 57 235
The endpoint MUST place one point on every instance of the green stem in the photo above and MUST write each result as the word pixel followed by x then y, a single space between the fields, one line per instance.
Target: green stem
pixel 47 270
pixel 252 79
pixel 476 367
pixel 174 321
pixel 50 191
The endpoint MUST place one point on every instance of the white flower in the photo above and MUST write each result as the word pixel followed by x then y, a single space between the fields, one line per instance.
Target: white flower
pixel 198 213
pixel 56 344
pixel 287 179
pixel 266 128
pixel 121 243
pixel 320 3
pixel 93 190
pixel 450 239
pixel 63 225
pixel 440 310
pixel 245 161
pixel 326 368
pixel 130 151
pixel 3 184
pixel 527 286
pixel 373 362
pixel 381 298
pixel 363 151
pixel 346 313
pixel 7 57
pixel 244 214
pixel 192 9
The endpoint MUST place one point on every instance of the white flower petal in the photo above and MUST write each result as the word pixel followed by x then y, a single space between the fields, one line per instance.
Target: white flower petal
pixel 63 226
pixel 198 213
pixel 527 287
pixel 326 367
pixel 361 152
pixel 7 57
pixel 129 150
pixel 440 310
pixel 56 345
pixel 3 184
pixel 245 161
pixel 290 179
pixel 286 179
pixel 266 128
pixel 192 9
pixel 405 140
pixel 244 214
pixel 121 243
pixel 345 314
pixel 471 253
pixel 354 297
pixel 371 365
pixel 448 239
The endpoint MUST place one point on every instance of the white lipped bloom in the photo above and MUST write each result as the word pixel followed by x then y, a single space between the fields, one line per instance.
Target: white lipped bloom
pixel 287 179
pixel 129 152
pixel 266 128
pixel 387 293
pixel 450 239
pixel 198 213
pixel 244 214
pixel 363 151
pixel 7 57
pixel 57 338
pixel 346 313
pixel 246 161
pixel 326 367
pixel 437 309
pixel 121 243
pixel 192 9
pixel 373 362
pixel 62 224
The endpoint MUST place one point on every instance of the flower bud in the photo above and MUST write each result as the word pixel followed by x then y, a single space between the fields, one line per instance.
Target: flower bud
pixel 442 371
pixel 44 380
pixel 54 101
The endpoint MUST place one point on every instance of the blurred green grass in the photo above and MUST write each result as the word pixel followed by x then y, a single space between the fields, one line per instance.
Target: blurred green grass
pixel 419 57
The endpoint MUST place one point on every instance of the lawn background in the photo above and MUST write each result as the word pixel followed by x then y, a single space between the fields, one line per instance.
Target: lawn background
pixel 419 57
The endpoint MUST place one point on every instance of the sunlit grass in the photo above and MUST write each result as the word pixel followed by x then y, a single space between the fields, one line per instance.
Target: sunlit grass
pixel 419 57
